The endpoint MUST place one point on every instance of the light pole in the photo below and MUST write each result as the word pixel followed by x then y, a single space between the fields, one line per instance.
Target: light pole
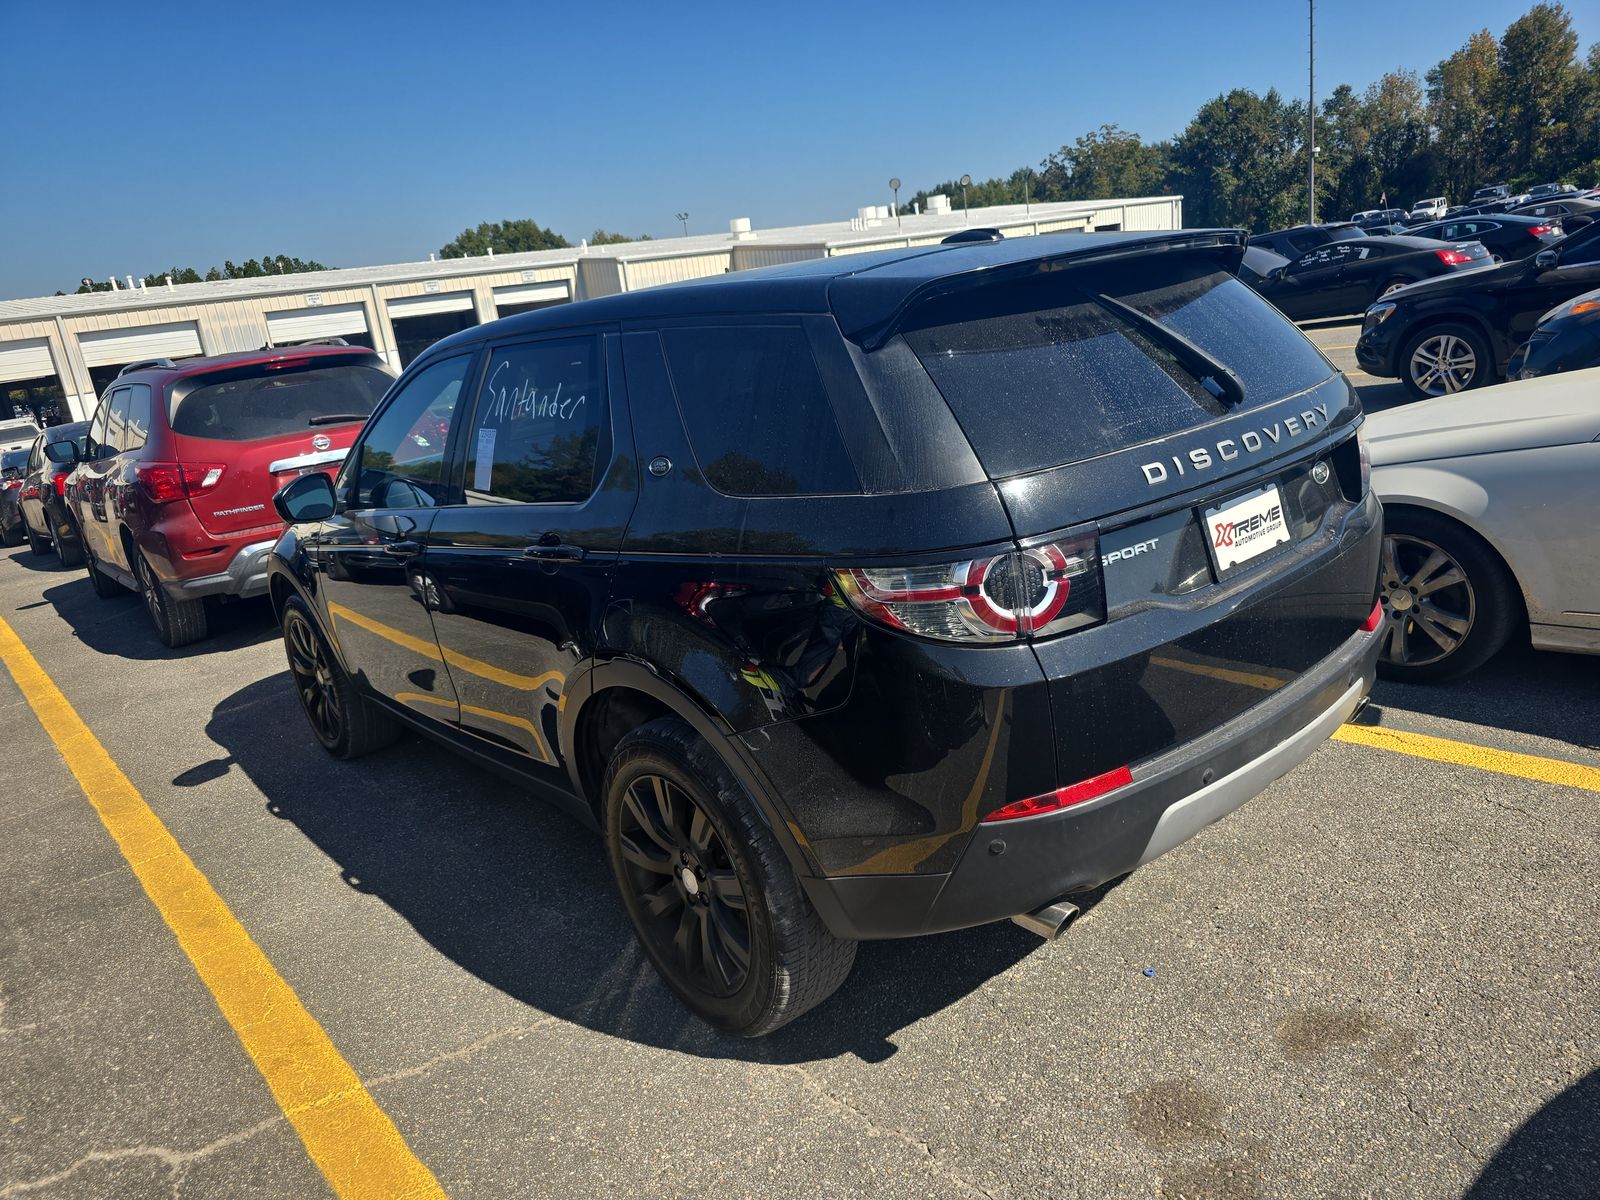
pixel 894 186
pixel 1311 112
pixel 966 182
pixel 684 217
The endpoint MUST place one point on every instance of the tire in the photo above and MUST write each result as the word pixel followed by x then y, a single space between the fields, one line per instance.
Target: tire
pixel 11 535
pixel 104 586
pixel 38 545
pixel 177 622
pixel 1442 360
pixel 70 552
pixel 712 898
pixel 1445 615
pixel 347 723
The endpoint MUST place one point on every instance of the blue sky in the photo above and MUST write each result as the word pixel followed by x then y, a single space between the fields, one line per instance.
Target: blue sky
pixel 136 137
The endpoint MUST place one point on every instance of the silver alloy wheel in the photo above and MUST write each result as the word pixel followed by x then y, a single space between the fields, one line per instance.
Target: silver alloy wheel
pixel 1428 602
pixel 1393 288
pixel 1443 364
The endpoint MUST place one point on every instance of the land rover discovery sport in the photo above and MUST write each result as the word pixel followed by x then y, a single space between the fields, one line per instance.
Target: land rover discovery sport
pixel 859 598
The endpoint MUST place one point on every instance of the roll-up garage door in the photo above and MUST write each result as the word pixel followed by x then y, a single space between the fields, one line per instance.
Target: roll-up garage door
pixel 25 360
pixel 105 347
pixel 304 324
pixel 426 306
pixel 531 293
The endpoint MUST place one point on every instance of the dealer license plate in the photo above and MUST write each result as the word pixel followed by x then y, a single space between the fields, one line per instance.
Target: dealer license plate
pixel 1246 527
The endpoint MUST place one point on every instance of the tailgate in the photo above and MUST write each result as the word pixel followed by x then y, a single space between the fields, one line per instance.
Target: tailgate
pixel 251 472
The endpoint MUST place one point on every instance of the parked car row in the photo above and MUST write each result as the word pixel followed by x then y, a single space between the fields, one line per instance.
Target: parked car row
pixel 860 598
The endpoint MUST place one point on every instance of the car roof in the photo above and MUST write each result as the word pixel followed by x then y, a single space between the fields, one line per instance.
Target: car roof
pixel 860 290
pixel 243 358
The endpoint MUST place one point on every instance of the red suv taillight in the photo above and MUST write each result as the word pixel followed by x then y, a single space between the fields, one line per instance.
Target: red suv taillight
pixel 60 483
pixel 1036 592
pixel 1539 230
pixel 165 482
pixel 1453 258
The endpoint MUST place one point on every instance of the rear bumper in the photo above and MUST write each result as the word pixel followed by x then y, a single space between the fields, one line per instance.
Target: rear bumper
pixel 246 575
pixel 1018 866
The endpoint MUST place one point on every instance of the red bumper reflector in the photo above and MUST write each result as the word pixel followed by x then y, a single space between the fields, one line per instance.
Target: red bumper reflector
pixel 1065 797
pixel 1374 618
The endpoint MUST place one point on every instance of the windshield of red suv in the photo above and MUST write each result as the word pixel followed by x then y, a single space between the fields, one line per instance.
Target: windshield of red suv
pixel 1045 372
pixel 273 400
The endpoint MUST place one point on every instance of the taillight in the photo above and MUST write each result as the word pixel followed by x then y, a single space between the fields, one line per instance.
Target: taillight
pixel 30 491
pixel 165 482
pixel 1364 456
pixel 1453 258
pixel 60 484
pixel 1037 592
pixel 1374 618
pixel 1066 797
pixel 1540 230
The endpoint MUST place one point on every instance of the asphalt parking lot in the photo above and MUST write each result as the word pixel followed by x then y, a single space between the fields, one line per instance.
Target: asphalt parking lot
pixel 1376 979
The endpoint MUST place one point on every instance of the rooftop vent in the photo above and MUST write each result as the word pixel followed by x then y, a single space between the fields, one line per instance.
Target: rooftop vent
pixel 739 227
pixel 938 204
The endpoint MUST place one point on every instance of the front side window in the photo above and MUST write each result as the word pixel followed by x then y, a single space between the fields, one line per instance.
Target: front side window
pixel 401 461
pixel 758 417
pixel 539 424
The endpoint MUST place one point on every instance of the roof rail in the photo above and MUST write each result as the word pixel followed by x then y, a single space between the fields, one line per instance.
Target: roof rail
pixel 321 341
pixel 145 363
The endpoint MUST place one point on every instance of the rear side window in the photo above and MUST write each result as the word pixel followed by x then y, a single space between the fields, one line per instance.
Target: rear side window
pixel 1045 372
pixel 758 417
pixel 273 403
pixel 538 428
pixel 136 427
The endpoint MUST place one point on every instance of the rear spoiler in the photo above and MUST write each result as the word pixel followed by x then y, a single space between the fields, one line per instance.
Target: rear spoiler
pixel 871 305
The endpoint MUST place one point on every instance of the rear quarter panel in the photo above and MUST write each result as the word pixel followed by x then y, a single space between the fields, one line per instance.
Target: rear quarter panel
pixel 1534 507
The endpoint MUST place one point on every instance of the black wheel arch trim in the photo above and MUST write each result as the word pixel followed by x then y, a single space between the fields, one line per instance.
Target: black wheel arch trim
pixel 594 678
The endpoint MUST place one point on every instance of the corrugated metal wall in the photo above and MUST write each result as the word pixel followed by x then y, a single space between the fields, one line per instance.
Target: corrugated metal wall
pixel 652 272
pixel 748 256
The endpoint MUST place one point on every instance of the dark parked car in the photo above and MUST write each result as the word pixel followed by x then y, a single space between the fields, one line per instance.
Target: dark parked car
pixel 1567 338
pixel 12 464
pixel 173 496
pixel 1447 335
pixel 1493 191
pixel 1572 213
pixel 1299 240
pixel 44 497
pixel 1504 236
pixel 856 598
pixel 1345 277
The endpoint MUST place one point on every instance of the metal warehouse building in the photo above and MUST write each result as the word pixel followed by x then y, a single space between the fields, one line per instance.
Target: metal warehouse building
pixel 58 353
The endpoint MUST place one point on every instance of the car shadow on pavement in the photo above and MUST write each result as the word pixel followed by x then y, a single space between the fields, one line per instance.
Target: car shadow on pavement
pixel 47 564
pixel 520 895
pixel 119 624
pixel 1555 1152
pixel 1523 690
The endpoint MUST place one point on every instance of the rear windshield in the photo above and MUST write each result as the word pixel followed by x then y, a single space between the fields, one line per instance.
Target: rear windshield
pixel 10 431
pixel 1346 233
pixel 1046 372
pixel 275 403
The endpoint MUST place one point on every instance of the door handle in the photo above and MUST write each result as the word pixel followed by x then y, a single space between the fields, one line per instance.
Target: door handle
pixel 560 552
pixel 402 549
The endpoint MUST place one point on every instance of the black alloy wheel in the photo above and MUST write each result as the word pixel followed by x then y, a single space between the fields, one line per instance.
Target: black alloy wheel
pixel 714 901
pixel 104 586
pixel 177 622
pixel 685 885
pixel 345 721
pixel 314 678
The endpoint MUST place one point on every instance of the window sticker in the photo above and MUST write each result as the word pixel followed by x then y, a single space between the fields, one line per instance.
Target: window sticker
pixel 483 460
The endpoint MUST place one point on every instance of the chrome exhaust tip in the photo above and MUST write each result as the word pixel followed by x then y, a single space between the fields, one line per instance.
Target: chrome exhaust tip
pixel 1049 921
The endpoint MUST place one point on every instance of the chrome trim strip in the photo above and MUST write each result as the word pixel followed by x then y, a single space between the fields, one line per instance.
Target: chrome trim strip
pixel 319 459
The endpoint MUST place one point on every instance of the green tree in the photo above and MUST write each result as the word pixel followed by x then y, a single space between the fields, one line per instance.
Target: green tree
pixel 506 237
pixel 1109 161
pixel 1396 117
pixel 1539 75
pixel 1241 161
pixel 604 237
pixel 1461 94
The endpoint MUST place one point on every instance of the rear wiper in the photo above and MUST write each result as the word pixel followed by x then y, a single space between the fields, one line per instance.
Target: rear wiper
pixel 337 419
pixel 1213 375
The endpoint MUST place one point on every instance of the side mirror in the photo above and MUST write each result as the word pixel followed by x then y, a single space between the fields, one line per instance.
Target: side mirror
pixel 308 498
pixel 63 452
pixel 1546 260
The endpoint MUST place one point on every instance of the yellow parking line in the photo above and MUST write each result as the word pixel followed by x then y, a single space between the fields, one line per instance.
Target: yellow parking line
pixel 352 1141
pixel 1465 754
pixel 1341 346
pixel 1226 674
pixel 527 683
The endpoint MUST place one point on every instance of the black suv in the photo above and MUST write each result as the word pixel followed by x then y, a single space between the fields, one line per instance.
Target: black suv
pixel 857 598
pixel 1443 336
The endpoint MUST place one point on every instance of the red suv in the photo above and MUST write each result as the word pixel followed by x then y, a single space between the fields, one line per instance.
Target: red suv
pixel 172 496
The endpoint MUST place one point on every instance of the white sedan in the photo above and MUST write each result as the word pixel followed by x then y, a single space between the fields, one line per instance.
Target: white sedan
pixel 1491 500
